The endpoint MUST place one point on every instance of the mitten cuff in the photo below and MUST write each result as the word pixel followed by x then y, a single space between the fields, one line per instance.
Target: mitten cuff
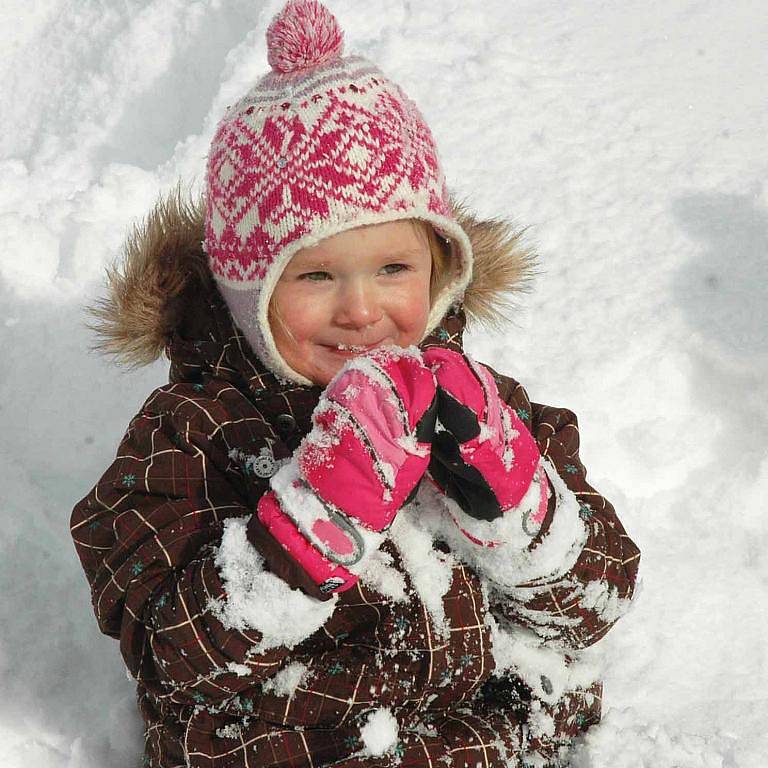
pixel 325 577
pixel 520 558
pixel 336 536
pixel 517 525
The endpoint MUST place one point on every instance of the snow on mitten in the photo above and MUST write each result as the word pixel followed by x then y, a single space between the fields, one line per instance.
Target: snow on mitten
pixel 368 449
pixel 484 457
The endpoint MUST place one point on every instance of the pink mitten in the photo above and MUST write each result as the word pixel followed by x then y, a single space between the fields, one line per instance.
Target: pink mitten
pixel 484 458
pixel 368 449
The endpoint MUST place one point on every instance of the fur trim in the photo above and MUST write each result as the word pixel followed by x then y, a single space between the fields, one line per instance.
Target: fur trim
pixel 162 264
pixel 504 265
pixel 162 260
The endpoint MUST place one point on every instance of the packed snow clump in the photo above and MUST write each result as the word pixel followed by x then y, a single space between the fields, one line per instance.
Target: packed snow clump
pixel 380 733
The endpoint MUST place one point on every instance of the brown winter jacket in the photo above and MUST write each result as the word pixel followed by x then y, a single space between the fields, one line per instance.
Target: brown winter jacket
pixel 201 450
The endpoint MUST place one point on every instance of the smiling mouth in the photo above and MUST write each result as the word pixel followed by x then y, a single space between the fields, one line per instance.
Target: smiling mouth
pixel 350 349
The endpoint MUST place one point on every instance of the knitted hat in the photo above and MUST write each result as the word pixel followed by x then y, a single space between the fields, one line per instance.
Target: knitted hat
pixel 320 145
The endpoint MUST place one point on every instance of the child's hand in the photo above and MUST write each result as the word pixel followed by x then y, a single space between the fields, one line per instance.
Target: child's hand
pixel 485 458
pixel 369 447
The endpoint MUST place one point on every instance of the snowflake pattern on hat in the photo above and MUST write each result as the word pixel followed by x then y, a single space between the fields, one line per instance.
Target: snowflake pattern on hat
pixel 271 179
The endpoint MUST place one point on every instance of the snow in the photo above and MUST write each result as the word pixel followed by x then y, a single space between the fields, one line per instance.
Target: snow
pixel 430 570
pixel 257 599
pixel 241 670
pixel 630 136
pixel 287 680
pixel 379 734
pixel 544 669
pixel 380 574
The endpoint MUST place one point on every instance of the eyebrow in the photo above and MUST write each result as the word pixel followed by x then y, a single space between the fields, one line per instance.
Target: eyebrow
pixel 407 252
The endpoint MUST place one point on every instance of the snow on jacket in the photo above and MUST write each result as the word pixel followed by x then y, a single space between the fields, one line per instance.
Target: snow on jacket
pixel 444 653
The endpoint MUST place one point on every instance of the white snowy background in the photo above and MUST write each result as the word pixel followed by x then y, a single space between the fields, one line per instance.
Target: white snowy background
pixel 630 135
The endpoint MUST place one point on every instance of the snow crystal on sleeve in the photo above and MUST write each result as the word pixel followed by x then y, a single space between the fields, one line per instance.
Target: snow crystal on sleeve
pixel 287 680
pixel 241 670
pixel 431 571
pixel 378 573
pixel 543 668
pixel 604 600
pixel 258 599
pixel 380 733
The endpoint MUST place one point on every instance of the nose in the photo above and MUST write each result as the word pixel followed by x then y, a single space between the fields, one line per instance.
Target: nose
pixel 358 304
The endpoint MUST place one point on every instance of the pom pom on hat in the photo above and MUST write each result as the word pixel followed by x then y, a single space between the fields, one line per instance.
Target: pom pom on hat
pixel 303 35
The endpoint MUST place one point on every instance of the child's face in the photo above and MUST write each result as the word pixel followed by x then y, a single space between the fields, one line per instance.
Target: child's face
pixel 362 288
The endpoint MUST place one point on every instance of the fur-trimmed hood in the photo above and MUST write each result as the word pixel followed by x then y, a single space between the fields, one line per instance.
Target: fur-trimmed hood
pixel 157 290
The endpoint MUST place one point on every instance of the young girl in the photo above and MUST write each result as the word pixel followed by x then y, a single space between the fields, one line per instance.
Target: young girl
pixel 333 538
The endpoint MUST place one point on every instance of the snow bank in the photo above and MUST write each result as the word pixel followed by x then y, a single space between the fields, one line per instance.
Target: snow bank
pixel 630 136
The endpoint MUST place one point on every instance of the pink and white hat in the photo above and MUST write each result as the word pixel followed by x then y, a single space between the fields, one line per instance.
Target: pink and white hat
pixel 321 144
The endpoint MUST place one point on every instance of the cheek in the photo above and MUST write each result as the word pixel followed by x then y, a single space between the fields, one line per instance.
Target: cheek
pixel 413 308
pixel 294 321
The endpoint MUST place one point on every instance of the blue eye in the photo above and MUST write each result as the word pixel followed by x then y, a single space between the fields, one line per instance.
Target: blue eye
pixel 315 277
pixel 394 269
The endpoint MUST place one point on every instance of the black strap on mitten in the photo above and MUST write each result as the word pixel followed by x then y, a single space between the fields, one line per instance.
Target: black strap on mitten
pixel 460 481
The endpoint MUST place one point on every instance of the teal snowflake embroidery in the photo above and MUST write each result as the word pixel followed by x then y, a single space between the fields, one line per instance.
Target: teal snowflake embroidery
pixel 199 698
pixel 402 623
pixel 400 749
pixel 442 334
pixel 585 511
pixel 351 742
pixel 571 469
pixel 335 669
pixel 246 705
pixel 580 720
pixel 198 387
pixel 129 480
pixel 94 525
pixel 466 660
pixel 146 761
pixel 523 414
pixel 161 601
pixel 137 568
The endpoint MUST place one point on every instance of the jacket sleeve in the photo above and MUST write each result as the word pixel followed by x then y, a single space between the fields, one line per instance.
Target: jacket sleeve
pixel 576 601
pixel 576 574
pixel 162 540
